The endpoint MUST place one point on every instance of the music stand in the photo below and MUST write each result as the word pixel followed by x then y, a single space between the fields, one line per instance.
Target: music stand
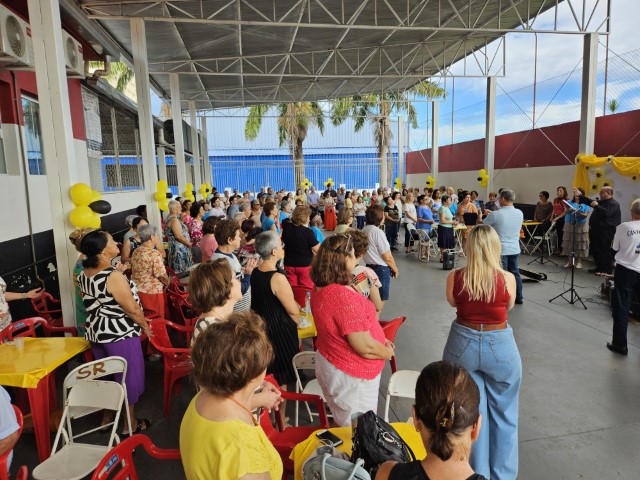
pixel 574 298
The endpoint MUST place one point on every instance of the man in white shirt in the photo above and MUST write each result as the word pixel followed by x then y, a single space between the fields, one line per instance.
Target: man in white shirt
pixel 626 243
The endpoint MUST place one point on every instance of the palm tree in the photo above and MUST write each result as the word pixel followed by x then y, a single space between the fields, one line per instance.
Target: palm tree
pixel 120 74
pixel 613 105
pixel 294 120
pixel 377 109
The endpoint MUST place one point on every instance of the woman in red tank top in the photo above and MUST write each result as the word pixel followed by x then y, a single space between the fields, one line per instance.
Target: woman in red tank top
pixel 482 341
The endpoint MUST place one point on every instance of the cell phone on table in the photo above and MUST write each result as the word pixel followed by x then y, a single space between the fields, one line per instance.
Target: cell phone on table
pixel 327 436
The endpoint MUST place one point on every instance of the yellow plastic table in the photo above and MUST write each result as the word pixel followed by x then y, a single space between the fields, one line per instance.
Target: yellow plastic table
pixel 305 449
pixel 530 227
pixel 30 368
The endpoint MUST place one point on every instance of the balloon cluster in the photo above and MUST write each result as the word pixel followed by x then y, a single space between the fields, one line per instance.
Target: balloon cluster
pixel 306 183
pixel 430 182
pixel 205 190
pixel 398 183
pixel 600 180
pixel 189 193
pixel 483 178
pixel 161 195
pixel 88 204
pixel 329 182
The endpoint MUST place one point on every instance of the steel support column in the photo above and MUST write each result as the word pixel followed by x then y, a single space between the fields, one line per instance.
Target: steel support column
pixel 205 152
pixel 197 172
pixel 145 117
pixel 435 145
pixel 57 140
pixel 588 102
pixel 490 136
pixel 178 138
pixel 162 164
pixel 402 150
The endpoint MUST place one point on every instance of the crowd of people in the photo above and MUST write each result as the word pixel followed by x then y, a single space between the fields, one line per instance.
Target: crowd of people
pixel 244 257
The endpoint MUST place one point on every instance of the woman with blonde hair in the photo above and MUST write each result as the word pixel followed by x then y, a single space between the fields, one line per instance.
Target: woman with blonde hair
pixel 482 341
pixel 345 219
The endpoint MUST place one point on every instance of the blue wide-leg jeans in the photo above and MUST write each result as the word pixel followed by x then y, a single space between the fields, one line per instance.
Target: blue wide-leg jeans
pixel 493 360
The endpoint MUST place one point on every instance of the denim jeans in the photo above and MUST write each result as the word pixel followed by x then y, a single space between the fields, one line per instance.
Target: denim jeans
pixel 625 281
pixel 391 231
pixel 493 360
pixel 510 264
pixel 384 274
pixel 360 221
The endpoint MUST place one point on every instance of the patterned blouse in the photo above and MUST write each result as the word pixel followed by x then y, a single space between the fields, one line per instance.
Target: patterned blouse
pixel 146 267
pixel 106 320
pixel 5 315
pixel 195 231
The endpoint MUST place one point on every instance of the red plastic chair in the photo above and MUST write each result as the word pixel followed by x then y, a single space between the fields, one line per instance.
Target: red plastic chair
pixel 3 458
pixel 177 361
pixel 27 328
pixel 181 311
pixel 300 294
pixel 48 308
pixel 122 455
pixel 390 330
pixel 23 473
pixel 286 438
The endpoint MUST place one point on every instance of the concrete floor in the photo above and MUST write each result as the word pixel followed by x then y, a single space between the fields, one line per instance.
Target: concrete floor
pixel 579 415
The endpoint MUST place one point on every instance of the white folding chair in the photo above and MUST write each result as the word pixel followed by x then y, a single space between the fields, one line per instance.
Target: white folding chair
pixel 93 371
pixel 306 361
pixel 77 460
pixel 413 235
pixel 544 239
pixel 401 384
pixel 427 246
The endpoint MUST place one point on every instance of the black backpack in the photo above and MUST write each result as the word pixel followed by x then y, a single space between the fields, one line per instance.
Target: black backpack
pixel 376 442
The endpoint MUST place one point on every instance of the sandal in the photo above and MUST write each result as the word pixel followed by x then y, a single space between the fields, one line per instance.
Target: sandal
pixel 140 426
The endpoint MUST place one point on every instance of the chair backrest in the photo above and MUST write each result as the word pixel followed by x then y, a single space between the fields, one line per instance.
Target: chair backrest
pixel 122 455
pixel 470 218
pixel 93 371
pixel 303 361
pixel 41 305
pixel 300 294
pixel 178 303
pixel 391 327
pixel 23 473
pixel 401 384
pixel 20 328
pixel 161 340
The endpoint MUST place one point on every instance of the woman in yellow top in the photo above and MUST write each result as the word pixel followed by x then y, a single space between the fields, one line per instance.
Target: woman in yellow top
pixel 300 196
pixel 219 437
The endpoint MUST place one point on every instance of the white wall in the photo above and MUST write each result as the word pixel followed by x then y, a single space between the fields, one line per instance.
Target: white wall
pixel 526 182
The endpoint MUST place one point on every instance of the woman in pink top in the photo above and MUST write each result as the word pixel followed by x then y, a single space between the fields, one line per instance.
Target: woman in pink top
pixel 351 345
pixel 208 243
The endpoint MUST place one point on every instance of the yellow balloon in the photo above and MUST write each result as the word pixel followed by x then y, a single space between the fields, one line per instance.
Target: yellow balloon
pixel 159 196
pixel 164 205
pixel 81 194
pixel 162 186
pixel 95 196
pixel 81 216
pixel 94 221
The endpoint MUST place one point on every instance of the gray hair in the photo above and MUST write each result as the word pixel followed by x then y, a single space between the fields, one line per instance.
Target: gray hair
pixel 244 206
pixel 173 204
pixel 283 204
pixel 239 217
pixel 147 232
pixel 508 195
pixel 635 207
pixel 266 243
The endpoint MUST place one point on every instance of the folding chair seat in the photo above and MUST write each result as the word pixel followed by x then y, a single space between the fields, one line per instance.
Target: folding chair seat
pixel 306 361
pixel 77 460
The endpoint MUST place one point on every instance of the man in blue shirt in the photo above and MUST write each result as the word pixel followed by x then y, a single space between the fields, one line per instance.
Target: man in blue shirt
pixel 507 222
pixel 233 207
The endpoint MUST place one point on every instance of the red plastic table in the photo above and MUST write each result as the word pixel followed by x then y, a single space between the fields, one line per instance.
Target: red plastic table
pixel 30 368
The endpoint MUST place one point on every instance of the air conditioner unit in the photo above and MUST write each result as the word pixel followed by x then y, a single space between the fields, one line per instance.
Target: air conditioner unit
pixel 73 59
pixel 15 40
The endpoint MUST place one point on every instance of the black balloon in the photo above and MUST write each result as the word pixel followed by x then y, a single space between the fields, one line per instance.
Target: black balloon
pixel 169 195
pixel 100 206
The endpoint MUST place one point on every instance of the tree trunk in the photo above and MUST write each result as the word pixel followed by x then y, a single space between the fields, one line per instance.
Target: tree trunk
pixel 298 165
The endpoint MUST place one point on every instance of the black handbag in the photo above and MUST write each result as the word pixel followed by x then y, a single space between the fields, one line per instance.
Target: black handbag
pixel 376 442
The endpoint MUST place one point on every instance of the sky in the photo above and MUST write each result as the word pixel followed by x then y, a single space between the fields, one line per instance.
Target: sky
pixel 558 90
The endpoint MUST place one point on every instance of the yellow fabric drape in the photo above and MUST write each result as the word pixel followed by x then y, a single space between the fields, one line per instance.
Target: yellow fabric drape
pixel 626 166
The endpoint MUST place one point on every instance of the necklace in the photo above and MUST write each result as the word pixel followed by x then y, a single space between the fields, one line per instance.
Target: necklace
pixel 253 419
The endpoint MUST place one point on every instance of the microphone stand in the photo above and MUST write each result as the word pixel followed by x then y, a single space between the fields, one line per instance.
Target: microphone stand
pixel 574 298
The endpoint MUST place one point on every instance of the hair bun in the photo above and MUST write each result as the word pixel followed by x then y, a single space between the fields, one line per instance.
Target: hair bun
pixel 445 418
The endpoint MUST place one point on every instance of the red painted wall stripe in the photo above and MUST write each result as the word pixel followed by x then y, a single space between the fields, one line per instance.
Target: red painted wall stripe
pixel 545 147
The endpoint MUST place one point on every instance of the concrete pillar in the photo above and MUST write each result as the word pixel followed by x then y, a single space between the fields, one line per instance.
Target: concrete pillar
pixel 197 172
pixel 588 102
pixel 204 151
pixel 162 163
pixel 178 139
pixel 435 145
pixel 145 118
pixel 402 150
pixel 57 140
pixel 490 136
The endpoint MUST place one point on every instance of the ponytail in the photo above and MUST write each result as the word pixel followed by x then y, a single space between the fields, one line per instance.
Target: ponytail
pixel 92 245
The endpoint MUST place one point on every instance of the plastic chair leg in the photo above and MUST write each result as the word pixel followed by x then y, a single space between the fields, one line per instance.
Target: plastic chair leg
pixel 167 392
pixel 393 364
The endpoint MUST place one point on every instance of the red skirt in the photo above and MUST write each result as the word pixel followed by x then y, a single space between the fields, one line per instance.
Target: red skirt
pixel 153 305
pixel 330 220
